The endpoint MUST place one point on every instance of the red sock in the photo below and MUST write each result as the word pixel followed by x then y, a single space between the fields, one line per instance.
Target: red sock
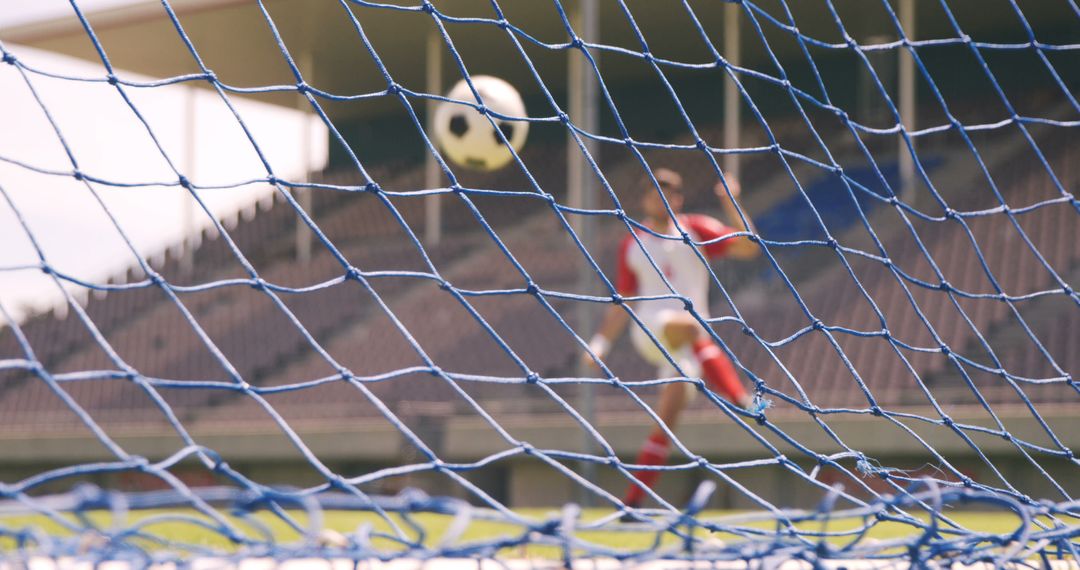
pixel 654 452
pixel 719 372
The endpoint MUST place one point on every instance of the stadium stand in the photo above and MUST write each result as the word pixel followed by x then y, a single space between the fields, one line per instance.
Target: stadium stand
pixel 1018 272
pixel 267 350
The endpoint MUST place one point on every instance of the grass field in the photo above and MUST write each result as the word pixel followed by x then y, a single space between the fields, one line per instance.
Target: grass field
pixel 435 529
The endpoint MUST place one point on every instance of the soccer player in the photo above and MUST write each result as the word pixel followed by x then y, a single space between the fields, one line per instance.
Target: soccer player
pixel 673 326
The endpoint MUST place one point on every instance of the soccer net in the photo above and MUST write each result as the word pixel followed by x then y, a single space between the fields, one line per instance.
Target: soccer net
pixel 393 367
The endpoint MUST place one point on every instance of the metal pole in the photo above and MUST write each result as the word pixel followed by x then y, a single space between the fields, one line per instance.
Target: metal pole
pixel 187 254
pixel 303 195
pixel 432 173
pixel 732 122
pixel 732 107
pixel 582 95
pixel 582 101
pixel 907 101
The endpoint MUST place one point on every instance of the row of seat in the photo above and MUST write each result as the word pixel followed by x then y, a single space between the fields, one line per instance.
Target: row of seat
pixel 353 322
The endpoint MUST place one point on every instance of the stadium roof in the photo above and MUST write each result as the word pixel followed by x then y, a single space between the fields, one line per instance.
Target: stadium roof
pixel 233 38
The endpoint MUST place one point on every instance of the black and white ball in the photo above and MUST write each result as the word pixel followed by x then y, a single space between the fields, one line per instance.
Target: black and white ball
pixel 467 138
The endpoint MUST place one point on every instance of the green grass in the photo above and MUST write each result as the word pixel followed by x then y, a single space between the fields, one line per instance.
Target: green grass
pixel 435 528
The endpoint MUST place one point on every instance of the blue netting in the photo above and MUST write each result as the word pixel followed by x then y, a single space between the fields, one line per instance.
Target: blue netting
pixel 944 349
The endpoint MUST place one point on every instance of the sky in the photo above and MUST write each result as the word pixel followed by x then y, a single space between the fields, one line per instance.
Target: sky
pixel 73 229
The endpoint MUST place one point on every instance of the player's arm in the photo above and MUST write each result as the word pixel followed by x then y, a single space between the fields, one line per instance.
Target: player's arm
pixel 615 317
pixel 741 247
pixel 611 328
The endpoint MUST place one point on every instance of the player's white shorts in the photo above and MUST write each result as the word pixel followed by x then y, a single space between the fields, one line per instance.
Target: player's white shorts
pixel 655 320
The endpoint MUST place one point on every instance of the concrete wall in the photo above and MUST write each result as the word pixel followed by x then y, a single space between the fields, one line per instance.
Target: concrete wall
pixel 523 479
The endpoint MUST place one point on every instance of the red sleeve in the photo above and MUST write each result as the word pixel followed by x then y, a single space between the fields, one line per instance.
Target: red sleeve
pixel 625 278
pixel 705 229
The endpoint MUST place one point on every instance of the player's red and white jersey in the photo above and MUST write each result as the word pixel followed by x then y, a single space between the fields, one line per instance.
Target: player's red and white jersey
pixel 636 276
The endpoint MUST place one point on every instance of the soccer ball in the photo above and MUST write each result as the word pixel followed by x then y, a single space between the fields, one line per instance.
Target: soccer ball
pixel 467 138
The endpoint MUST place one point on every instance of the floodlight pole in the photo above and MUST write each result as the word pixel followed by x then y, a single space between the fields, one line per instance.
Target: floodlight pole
pixel 582 100
pixel 187 248
pixel 432 173
pixel 907 101
pixel 732 117
pixel 303 195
